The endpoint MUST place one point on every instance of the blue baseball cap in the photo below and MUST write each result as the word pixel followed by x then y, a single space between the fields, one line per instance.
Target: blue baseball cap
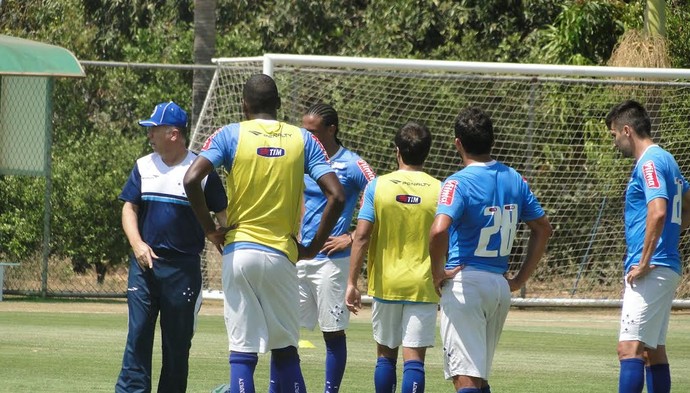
pixel 166 114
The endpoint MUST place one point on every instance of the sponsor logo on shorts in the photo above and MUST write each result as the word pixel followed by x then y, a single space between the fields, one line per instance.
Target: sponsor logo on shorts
pixel 366 170
pixel 649 172
pixel 447 193
pixel 408 199
pixel 270 151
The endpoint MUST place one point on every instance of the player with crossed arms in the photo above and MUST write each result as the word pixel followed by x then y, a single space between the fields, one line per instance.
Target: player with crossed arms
pixel 476 221
pixel 323 279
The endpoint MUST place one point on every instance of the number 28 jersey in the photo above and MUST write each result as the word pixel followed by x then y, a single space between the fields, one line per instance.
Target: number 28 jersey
pixel 485 201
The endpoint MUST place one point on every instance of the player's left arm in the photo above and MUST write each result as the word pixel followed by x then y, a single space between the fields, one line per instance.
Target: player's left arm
pixel 540 232
pixel 656 217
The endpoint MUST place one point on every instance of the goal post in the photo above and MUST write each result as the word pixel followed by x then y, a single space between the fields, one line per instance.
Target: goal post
pixel 549 123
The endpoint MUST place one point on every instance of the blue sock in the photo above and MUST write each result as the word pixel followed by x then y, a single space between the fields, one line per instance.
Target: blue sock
pixel 486 389
pixel 631 377
pixel 413 377
pixel 273 379
pixel 336 358
pixel 470 390
pixel 658 378
pixel 286 371
pixel 242 365
pixel 384 375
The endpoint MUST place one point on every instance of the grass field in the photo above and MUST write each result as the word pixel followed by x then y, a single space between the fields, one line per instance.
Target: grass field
pixel 76 346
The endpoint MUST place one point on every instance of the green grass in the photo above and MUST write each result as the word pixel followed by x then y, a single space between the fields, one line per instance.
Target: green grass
pixel 540 351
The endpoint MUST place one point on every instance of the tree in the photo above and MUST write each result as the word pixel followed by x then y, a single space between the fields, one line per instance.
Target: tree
pixel 86 209
pixel 584 33
pixel 204 49
pixel 98 115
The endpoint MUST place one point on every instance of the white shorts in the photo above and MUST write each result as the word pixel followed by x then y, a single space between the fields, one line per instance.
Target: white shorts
pixel 474 307
pixel 412 325
pixel 647 307
pixel 261 301
pixel 322 284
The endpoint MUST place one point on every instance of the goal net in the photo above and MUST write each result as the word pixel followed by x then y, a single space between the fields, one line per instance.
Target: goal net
pixel 549 123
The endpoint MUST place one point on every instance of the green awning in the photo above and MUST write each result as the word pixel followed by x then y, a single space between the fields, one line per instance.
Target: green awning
pixel 30 58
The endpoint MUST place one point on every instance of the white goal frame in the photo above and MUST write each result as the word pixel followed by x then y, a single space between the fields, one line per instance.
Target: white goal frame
pixel 273 62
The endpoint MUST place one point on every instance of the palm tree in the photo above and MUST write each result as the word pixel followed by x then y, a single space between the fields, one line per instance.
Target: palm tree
pixel 204 49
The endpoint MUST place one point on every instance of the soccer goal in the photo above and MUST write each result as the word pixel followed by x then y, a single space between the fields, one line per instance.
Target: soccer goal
pixel 550 126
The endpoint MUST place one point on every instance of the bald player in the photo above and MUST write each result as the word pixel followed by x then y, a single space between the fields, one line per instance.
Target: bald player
pixel 265 161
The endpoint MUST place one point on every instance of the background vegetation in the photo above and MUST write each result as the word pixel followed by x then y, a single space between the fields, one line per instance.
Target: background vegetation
pixel 96 138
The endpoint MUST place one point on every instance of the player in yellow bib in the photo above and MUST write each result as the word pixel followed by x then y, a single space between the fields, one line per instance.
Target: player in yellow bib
pixel 393 226
pixel 266 161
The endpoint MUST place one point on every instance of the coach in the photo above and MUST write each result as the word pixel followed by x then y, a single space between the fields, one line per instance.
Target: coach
pixel 165 266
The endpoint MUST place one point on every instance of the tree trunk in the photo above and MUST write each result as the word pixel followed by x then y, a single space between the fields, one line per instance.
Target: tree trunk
pixel 204 50
pixel 655 17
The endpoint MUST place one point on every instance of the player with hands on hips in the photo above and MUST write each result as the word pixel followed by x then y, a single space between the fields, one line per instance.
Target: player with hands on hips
pixel 478 212
pixel 323 279
pixel 266 161
pixel 393 226
pixel 165 267
pixel 657 210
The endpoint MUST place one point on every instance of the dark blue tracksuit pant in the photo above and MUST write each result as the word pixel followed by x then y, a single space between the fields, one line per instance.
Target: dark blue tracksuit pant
pixel 171 288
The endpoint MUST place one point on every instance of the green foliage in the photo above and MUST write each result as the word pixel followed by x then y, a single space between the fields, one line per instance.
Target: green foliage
pixel 492 30
pixel 584 33
pixel 21 215
pixel 121 25
pixel 95 132
pixel 678 33
pixel 86 219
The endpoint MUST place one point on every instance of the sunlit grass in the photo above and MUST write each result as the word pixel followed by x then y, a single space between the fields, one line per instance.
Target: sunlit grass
pixel 540 351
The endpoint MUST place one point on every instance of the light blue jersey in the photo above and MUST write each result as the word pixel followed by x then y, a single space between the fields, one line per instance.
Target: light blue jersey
pixel 354 174
pixel 656 175
pixel 486 201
